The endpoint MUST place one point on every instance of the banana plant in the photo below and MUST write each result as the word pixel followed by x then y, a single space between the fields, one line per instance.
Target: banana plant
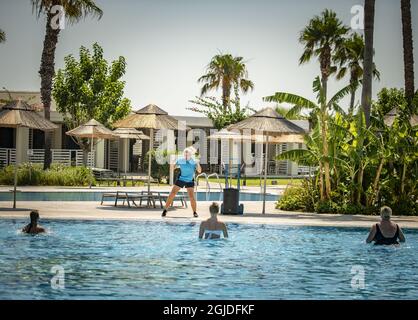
pixel 319 110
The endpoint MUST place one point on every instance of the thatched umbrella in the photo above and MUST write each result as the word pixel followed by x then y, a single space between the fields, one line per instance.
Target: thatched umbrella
pixel 150 117
pixel 271 124
pixel 130 133
pixel 92 130
pixel 17 114
pixel 390 117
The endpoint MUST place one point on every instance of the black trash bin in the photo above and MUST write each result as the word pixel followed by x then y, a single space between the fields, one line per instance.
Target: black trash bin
pixel 231 205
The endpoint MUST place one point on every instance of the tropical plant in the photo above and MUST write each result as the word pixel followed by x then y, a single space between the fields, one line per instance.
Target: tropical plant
pixel 91 88
pixel 226 72
pixel 368 65
pixel 350 60
pixel 320 110
pixel 284 112
pixel 215 111
pixel 408 50
pixel 2 36
pixel 74 10
pixel 322 37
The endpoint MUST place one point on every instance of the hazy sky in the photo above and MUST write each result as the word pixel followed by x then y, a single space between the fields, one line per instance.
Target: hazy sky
pixel 168 43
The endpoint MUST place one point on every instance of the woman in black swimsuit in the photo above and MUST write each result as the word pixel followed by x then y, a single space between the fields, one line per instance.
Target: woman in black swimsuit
pixel 386 232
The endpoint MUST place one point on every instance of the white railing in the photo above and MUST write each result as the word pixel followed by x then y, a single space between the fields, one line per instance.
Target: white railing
pixel 7 157
pixel 64 157
pixel 36 156
pixel 79 156
pixel 61 156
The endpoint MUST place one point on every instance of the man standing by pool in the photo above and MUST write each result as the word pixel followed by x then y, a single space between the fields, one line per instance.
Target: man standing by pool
pixel 187 166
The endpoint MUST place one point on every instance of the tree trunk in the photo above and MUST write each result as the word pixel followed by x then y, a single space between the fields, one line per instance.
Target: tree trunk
pixel 47 72
pixel 408 50
pixel 226 95
pixel 325 62
pixel 324 132
pixel 321 182
pixel 353 80
pixel 369 10
pixel 359 184
pixel 403 178
pixel 375 191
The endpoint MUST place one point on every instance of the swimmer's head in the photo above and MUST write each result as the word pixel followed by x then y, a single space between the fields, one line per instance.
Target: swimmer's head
pixel 34 216
pixel 385 213
pixel 214 209
pixel 189 152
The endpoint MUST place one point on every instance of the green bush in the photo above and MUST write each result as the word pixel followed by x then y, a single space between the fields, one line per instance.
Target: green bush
pixel 57 175
pixel 298 198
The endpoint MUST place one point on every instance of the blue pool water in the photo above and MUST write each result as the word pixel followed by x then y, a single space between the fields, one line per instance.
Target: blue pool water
pixel 152 260
pixel 97 196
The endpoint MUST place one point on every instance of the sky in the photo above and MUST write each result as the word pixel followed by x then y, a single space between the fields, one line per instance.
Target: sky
pixel 168 44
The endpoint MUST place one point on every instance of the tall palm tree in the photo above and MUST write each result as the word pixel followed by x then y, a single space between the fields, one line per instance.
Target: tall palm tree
pixel 408 49
pixel 322 37
pixel 74 10
pixel 226 72
pixel 350 58
pixel 366 96
pixel 2 36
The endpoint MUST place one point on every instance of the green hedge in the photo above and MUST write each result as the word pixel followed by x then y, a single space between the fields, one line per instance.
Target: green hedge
pixel 57 175
pixel 305 198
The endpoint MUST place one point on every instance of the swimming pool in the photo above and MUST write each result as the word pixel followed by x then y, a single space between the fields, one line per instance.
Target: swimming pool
pixel 97 196
pixel 152 260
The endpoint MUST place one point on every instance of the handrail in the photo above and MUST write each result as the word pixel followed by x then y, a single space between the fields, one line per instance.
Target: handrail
pixel 203 174
pixel 219 182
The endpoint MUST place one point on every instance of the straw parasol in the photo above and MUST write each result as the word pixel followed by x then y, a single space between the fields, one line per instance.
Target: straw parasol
pixel 390 117
pixel 150 117
pixel 17 114
pixel 130 133
pixel 91 130
pixel 271 124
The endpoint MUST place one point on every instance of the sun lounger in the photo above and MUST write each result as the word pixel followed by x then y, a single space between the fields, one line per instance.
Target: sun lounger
pixel 163 196
pixel 129 197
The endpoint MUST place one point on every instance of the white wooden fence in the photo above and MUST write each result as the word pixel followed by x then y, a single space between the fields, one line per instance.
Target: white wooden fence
pixel 64 157
pixel 7 157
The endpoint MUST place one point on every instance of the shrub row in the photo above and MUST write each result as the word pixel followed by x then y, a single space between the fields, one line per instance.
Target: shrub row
pixel 57 175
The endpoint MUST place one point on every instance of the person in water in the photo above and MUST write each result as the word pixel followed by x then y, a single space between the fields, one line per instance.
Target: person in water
pixel 386 232
pixel 212 228
pixel 33 227
pixel 187 166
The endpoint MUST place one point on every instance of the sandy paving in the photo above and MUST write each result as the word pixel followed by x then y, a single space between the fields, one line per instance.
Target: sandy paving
pixel 93 210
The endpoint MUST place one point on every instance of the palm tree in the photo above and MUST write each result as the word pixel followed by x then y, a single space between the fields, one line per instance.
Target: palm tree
pixel 226 72
pixel 408 50
pixel 2 36
pixel 350 58
pixel 322 37
pixel 366 96
pixel 74 11
pixel 319 109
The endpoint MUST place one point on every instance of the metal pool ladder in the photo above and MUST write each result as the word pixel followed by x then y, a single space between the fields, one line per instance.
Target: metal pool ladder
pixel 206 177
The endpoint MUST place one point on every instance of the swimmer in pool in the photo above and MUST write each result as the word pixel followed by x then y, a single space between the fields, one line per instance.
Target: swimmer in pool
pixel 386 232
pixel 33 227
pixel 213 228
pixel 187 166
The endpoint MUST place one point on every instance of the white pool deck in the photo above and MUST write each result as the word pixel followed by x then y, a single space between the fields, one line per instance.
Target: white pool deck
pixel 86 210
